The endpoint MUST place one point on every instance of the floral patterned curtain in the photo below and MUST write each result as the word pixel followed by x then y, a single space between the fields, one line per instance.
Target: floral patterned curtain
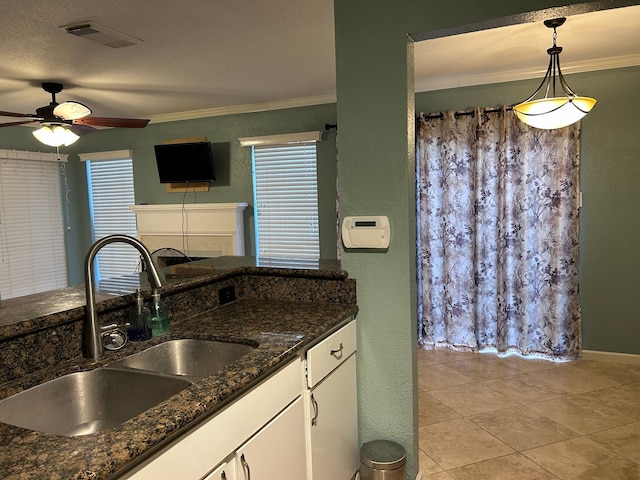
pixel 498 234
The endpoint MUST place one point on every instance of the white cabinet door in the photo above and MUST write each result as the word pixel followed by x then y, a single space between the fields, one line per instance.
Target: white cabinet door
pixel 333 425
pixel 277 451
pixel 194 455
pixel 226 471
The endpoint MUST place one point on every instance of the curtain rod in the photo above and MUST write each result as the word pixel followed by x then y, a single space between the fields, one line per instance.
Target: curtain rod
pixel 462 113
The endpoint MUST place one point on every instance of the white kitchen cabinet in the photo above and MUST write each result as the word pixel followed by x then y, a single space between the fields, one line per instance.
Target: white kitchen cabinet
pixel 200 452
pixel 226 471
pixel 277 451
pixel 331 407
pixel 296 424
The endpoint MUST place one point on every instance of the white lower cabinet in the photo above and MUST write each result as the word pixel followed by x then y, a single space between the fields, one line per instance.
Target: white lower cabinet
pixel 266 424
pixel 333 427
pixel 331 407
pixel 297 424
pixel 275 452
pixel 226 471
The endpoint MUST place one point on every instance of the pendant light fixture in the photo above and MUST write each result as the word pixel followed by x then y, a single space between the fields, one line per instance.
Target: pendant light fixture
pixel 552 110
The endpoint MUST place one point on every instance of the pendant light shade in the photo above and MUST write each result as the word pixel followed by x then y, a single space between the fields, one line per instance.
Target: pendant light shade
pixel 553 111
pixel 55 135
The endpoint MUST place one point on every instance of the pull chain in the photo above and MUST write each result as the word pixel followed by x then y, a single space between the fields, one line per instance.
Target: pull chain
pixel 63 171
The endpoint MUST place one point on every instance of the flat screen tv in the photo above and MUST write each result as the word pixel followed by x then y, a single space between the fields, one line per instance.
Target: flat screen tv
pixel 185 162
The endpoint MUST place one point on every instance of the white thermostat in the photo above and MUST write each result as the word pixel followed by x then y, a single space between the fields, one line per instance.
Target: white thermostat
pixel 366 232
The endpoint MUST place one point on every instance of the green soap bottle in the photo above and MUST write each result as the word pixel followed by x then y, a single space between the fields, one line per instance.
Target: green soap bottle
pixel 159 315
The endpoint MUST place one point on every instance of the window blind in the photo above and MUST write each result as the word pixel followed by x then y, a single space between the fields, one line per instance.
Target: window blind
pixel 111 193
pixel 32 244
pixel 286 201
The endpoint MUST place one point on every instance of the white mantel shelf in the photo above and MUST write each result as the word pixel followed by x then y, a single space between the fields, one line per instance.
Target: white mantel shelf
pixel 202 229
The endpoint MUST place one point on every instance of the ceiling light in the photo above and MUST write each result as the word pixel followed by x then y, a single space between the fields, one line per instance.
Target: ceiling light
pixel 55 135
pixel 553 111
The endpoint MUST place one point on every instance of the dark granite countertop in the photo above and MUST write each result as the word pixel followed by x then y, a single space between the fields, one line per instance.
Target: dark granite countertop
pixel 33 312
pixel 282 329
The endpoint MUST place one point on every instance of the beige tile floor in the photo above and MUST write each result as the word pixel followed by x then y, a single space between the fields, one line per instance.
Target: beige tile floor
pixel 483 417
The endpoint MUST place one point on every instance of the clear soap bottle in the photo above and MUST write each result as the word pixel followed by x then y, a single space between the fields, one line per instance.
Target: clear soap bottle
pixel 159 315
pixel 139 320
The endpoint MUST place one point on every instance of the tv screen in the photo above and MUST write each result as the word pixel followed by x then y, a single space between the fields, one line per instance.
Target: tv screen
pixel 185 162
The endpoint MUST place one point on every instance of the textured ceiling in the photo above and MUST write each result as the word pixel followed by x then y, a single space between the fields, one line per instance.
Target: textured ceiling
pixel 202 54
pixel 591 41
pixel 194 54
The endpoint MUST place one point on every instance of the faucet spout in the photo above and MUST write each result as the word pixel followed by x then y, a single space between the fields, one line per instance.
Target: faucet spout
pixel 93 348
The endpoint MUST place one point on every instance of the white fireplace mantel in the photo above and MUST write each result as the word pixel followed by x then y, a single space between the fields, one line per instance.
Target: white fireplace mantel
pixel 197 229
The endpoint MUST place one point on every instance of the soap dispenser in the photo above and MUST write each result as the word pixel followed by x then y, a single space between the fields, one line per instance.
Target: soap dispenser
pixel 159 315
pixel 140 320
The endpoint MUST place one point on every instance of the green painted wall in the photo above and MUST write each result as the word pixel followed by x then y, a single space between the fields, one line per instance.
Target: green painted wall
pixel 610 182
pixel 610 219
pixel 233 173
pixel 376 120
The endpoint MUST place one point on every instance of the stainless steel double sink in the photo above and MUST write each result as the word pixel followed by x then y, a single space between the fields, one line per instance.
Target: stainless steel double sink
pixel 88 402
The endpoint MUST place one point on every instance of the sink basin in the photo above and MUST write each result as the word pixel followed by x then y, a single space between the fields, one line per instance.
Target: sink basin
pixel 88 402
pixel 190 358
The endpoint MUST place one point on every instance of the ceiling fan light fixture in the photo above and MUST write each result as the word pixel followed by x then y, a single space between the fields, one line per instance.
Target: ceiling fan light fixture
pixel 72 118
pixel 55 135
pixel 553 111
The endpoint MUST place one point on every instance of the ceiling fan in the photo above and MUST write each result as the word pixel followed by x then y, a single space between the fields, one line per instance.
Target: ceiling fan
pixel 67 120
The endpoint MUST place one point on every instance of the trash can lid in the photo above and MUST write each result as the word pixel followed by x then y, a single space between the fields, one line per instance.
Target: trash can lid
pixel 383 455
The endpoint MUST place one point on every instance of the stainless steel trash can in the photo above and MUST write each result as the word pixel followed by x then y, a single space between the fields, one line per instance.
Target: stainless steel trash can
pixel 383 460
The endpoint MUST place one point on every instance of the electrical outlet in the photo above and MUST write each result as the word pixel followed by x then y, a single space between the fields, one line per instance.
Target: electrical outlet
pixel 226 294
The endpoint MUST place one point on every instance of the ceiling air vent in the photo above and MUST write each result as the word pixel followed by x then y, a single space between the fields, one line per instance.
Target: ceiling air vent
pixel 99 33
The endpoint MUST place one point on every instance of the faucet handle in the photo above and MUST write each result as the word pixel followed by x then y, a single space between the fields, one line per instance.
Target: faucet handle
pixel 115 326
pixel 114 339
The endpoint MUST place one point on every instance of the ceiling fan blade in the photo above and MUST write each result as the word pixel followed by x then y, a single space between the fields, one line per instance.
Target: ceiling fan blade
pixel 112 122
pixel 71 110
pixel 22 115
pixel 81 130
pixel 23 122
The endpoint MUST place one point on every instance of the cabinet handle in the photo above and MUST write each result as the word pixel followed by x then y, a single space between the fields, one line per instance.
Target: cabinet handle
pixel 245 467
pixel 314 403
pixel 338 352
pixel 223 476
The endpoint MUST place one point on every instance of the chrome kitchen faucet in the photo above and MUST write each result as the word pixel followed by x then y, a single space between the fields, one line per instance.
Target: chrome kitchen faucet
pixel 93 348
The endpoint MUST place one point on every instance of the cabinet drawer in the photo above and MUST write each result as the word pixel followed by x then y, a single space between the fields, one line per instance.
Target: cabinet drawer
pixel 330 353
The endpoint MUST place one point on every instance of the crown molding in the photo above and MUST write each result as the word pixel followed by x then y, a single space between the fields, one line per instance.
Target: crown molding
pixel 248 108
pixel 421 85
pixel 455 81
